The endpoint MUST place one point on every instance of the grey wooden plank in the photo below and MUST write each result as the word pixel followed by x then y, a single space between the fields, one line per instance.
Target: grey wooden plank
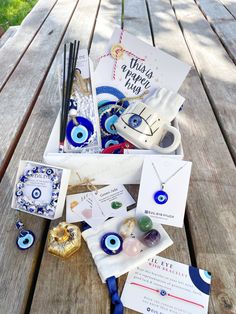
pixel 13 50
pixel 7 35
pixel 217 70
pixel 222 22
pixel 211 200
pixel 73 285
pixel 18 96
pixel 230 6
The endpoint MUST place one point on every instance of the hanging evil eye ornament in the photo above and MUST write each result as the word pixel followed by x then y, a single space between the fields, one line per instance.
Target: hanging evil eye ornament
pixel 26 238
pixel 79 134
pixel 111 243
pixel 160 197
pixel 109 110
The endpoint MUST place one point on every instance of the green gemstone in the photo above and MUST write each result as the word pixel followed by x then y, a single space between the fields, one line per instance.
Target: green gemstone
pixel 116 205
pixel 145 223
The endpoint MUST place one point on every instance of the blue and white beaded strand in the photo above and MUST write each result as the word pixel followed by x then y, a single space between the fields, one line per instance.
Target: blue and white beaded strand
pixel 25 204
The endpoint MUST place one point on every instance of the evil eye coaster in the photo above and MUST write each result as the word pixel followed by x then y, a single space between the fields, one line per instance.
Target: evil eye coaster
pixel 25 239
pixel 111 243
pixel 135 121
pixel 78 135
pixel 160 197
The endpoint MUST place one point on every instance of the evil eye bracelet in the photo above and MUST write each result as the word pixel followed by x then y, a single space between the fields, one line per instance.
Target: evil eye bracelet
pixel 34 206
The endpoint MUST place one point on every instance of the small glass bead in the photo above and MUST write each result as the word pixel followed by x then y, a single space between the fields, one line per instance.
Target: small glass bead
pixel 132 246
pixel 151 238
pixel 145 223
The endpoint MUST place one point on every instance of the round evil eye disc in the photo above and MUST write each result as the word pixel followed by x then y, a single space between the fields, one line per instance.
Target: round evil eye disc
pixel 78 135
pixel 36 193
pixel 109 124
pixel 160 197
pixel 25 239
pixel 135 121
pixel 111 243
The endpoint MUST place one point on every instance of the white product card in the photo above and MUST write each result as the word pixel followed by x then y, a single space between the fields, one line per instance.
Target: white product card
pixel 72 202
pixel 85 210
pixel 163 286
pixel 113 200
pixel 167 205
pixel 139 67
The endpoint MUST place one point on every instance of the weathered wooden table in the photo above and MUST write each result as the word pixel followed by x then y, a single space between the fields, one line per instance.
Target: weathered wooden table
pixel 201 33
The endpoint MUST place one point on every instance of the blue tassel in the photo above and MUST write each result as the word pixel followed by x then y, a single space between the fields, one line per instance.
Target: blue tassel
pixel 115 299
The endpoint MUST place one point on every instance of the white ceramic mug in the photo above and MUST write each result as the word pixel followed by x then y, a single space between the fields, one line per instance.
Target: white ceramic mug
pixel 142 126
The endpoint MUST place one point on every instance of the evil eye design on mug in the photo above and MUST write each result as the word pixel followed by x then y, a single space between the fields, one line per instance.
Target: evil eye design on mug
pixel 49 171
pixel 160 197
pixel 78 135
pixel 111 243
pixel 36 193
pixel 135 121
pixel 25 239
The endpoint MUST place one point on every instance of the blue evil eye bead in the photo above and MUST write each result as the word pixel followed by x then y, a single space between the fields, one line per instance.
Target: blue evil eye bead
pixel 111 243
pixel 42 169
pixel 53 203
pixel 25 239
pixel 54 179
pixel 32 209
pixel 35 169
pixel 160 197
pixel 72 104
pixel 55 195
pixel 23 178
pixel 40 210
pixel 163 293
pixel 49 171
pixel 36 193
pixel 20 185
pixel 56 186
pixel 19 193
pixel 24 207
pixel 78 135
pixel 21 201
pixel 28 173
pixel 135 121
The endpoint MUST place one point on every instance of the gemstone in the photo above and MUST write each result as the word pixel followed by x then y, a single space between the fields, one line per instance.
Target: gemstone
pixel 145 223
pixel 116 205
pixel 132 246
pixel 151 238
pixel 127 227
pixel 111 243
pixel 87 213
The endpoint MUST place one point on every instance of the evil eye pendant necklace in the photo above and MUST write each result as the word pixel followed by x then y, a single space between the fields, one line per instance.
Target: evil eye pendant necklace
pixel 160 196
pixel 25 238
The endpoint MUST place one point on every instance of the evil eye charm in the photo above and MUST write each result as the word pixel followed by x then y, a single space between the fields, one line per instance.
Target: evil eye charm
pixel 42 169
pixel 49 171
pixel 23 178
pixel 32 209
pixel 25 239
pixel 78 135
pixel 163 293
pixel 36 193
pixel 20 185
pixel 160 197
pixel 19 193
pixel 40 210
pixel 111 243
pixel 29 173
pixel 35 169
pixel 55 179
pixel 135 121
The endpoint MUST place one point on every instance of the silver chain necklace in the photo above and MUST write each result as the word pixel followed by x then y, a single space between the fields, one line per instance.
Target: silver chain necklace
pixel 160 196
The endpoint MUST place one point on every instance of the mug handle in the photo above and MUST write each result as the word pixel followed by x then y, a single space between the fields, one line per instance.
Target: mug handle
pixel 174 145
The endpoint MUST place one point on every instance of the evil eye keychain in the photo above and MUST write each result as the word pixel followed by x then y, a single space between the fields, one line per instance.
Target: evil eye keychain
pixel 25 238
pixel 79 129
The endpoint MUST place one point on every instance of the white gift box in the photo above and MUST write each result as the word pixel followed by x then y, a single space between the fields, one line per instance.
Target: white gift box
pixel 43 184
pixel 103 168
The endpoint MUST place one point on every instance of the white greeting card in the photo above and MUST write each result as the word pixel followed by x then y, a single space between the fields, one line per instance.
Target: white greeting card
pixel 117 265
pixel 132 67
pixel 113 200
pixel 163 286
pixel 163 190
